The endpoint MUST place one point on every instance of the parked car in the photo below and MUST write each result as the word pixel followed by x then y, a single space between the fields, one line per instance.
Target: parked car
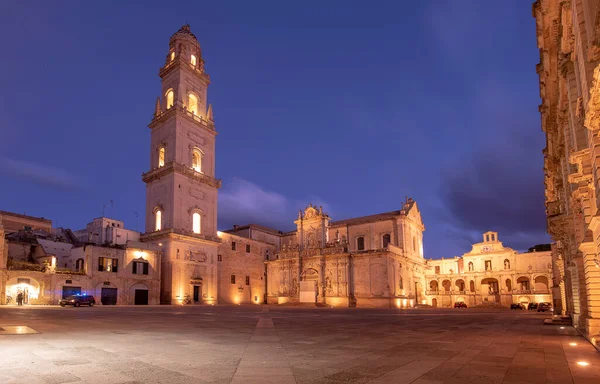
pixel 460 304
pixel 543 307
pixel 516 306
pixel 78 300
pixel 532 306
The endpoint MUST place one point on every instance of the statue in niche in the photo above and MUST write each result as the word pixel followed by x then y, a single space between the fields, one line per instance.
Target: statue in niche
pixel 401 282
pixel 470 266
pixel 337 236
pixel 506 264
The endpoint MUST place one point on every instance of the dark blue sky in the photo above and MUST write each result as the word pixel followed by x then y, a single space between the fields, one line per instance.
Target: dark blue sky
pixel 341 103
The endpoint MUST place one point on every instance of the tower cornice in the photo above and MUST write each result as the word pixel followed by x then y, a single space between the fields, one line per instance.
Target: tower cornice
pixel 180 62
pixel 174 167
pixel 176 109
pixel 180 234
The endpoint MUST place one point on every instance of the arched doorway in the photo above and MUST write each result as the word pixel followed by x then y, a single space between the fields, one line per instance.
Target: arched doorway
pixel 447 285
pixel 489 286
pixel 523 283
pixel 308 286
pixel 460 285
pixel 541 283
pixel 27 287
pixel 508 283
pixel 433 286
pixel 472 286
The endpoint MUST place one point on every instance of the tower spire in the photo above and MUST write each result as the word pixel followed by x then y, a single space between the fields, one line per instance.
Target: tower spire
pixel 157 109
pixel 209 114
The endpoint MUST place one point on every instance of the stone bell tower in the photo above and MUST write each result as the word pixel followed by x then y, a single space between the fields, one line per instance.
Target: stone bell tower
pixel 181 188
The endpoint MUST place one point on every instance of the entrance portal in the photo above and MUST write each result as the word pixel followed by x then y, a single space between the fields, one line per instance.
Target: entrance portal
pixel 196 293
pixel 141 297
pixel 109 296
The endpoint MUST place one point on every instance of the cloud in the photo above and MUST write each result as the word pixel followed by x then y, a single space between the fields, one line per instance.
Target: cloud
pixel 498 187
pixel 40 174
pixel 242 202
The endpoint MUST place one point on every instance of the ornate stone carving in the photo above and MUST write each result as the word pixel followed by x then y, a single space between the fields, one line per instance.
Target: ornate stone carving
pixel 592 118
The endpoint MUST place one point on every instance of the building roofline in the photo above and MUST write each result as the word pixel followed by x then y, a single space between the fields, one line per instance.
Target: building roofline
pixel 25 216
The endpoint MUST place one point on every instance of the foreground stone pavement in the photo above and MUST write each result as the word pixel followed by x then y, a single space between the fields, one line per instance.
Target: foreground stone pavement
pixel 269 344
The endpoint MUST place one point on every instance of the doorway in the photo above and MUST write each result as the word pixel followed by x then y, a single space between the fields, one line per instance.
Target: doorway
pixel 108 296
pixel 196 293
pixel 434 303
pixel 141 297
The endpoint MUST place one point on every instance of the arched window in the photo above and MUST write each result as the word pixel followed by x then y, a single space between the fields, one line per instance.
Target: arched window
pixel 360 243
pixel 506 264
pixel 386 240
pixel 193 60
pixel 197 159
pixel 414 244
pixel 196 222
pixel 170 98
pixel 161 157
pixel 158 220
pixel 193 104
pixel 172 55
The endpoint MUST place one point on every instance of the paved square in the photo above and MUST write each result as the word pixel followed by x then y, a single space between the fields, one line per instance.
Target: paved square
pixel 269 344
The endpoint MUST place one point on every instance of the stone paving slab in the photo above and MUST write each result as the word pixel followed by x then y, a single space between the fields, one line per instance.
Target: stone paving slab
pixel 270 344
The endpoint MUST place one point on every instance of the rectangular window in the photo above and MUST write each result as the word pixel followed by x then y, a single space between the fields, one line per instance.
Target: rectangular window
pixel 219 257
pixel 233 245
pixel 140 268
pixel 437 270
pixel 108 264
pixel 247 280
pixel 232 279
pixel 247 248
pixel 360 243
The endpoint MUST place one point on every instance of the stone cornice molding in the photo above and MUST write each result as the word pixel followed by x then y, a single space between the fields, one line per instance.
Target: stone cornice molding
pixel 179 110
pixel 173 166
pixel 181 234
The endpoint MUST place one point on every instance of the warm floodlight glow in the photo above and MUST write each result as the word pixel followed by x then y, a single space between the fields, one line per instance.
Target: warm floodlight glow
pixel 219 233
pixel 139 254
pixel 158 220
pixel 573 344
pixel 583 363
pixel 562 327
pixel 192 104
pixel 172 56
pixel 193 60
pixel 170 97
pixel 161 157
pixel 160 244
pixel 196 222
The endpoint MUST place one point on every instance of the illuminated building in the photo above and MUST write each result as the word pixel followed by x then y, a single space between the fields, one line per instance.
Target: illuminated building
pixel 490 274
pixel 568 37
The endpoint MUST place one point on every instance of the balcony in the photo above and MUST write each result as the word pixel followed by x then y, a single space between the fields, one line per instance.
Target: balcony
pixel 164 115
pixel 172 166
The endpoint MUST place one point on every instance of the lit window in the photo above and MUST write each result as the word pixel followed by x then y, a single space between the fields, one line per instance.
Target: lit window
pixel 172 56
pixel 196 222
pixel 158 220
pixel 161 157
pixel 169 96
pixel 192 104
pixel 197 160
pixel 106 264
pixel 193 60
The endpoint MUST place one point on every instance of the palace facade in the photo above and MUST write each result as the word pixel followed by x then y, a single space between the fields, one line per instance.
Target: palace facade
pixel 568 37
pixel 491 274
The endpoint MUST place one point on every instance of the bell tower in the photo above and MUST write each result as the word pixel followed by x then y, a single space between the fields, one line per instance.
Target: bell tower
pixel 181 188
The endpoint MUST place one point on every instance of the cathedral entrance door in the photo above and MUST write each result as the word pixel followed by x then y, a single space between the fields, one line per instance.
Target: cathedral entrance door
pixel 308 291
pixel 196 293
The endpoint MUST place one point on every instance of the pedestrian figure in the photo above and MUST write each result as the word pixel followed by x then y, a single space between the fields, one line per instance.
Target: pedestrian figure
pixel 20 298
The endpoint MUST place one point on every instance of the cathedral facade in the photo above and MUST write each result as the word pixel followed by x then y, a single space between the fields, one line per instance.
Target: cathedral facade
pixel 374 261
